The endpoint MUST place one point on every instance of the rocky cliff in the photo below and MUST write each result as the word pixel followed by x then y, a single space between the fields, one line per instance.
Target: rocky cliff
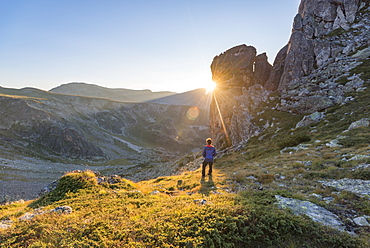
pixel 326 57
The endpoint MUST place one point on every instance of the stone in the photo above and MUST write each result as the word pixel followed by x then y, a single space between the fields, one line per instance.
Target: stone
pixel 357 186
pixel 364 122
pixel 62 210
pixel 359 157
pixel 360 167
pixel 309 119
pixel 315 212
pixel 334 143
pixel 309 104
pixel 201 202
pixel 308 73
pixel 361 221
pixel 298 22
pixel 340 20
pixel 322 50
pixel 362 54
pixel 350 8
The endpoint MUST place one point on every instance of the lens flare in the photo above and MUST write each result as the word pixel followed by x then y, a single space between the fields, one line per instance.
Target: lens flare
pixel 193 113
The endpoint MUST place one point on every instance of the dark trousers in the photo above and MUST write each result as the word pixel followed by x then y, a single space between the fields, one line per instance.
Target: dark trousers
pixel 204 168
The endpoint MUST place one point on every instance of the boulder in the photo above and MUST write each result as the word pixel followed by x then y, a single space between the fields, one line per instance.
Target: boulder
pixel 309 119
pixel 315 212
pixel 361 221
pixel 357 186
pixel 364 122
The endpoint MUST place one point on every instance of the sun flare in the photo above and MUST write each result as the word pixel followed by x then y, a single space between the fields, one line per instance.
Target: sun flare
pixel 209 86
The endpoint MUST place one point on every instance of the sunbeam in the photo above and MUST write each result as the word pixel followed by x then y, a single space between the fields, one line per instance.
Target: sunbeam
pixel 222 120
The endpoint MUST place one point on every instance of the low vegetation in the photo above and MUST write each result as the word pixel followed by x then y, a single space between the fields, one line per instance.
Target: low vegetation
pixel 161 213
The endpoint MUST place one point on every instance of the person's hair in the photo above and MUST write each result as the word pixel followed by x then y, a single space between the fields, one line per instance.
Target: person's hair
pixel 209 141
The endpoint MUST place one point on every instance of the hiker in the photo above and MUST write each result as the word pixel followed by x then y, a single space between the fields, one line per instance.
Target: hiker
pixel 209 152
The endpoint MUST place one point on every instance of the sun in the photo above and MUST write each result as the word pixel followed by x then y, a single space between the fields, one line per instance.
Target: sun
pixel 209 86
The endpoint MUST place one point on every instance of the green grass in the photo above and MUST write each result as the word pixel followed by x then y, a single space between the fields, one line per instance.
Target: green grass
pixel 130 216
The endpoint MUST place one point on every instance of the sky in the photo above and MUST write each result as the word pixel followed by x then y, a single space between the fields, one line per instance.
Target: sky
pixel 161 45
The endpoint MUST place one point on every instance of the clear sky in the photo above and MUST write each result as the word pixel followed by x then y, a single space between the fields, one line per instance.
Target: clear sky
pixel 161 45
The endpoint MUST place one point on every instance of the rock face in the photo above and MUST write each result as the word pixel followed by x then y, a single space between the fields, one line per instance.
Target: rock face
pixel 314 71
pixel 240 75
pixel 325 34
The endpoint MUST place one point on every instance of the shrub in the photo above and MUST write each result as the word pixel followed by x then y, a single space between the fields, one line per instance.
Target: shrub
pixel 69 183
pixel 293 140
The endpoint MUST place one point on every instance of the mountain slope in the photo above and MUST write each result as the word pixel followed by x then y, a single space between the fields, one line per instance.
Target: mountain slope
pixel 60 129
pixel 123 95
pixel 199 98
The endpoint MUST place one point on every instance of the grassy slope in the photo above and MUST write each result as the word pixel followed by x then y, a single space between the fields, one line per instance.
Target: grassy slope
pixel 129 215
pixel 239 212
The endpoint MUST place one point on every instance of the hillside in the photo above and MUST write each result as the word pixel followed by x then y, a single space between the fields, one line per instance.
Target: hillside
pixel 123 95
pixel 44 134
pixel 196 98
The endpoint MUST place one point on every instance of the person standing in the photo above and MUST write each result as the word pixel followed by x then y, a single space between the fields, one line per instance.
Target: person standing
pixel 209 152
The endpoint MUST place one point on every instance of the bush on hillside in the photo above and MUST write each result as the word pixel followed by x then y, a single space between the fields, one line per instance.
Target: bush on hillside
pixel 69 183
pixel 293 140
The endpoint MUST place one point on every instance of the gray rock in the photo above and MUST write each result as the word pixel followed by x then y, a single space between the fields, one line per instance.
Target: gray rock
pixel 315 212
pixel 340 20
pixel 201 202
pixel 333 143
pixel 298 22
pixel 309 119
pixel 361 221
pixel 322 51
pixel 62 210
pixel 350 8
pixel 360 167
pixel 362 54
pixel 364 122
pixel 357 186
pixel 359 157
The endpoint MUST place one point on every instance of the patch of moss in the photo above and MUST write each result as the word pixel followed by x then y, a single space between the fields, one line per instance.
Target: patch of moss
pixel 363 69
pixel 336 32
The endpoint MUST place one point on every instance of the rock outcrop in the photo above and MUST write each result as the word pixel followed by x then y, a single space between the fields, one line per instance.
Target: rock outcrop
pixel 314 71
pixel 240 75
pixel 320 56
